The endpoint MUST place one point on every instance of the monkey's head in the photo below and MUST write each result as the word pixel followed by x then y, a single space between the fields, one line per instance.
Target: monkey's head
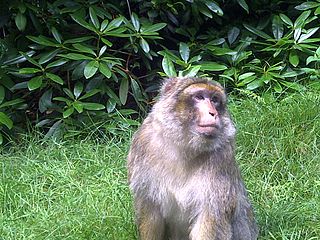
pixel 193 112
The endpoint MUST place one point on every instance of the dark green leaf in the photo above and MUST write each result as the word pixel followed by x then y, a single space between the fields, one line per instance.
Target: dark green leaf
pixel 45 101
pixel 290 73
pixel 6 81
pixel 91 69
pixel 78 106
pixel 35 83
pixel 318 52
pixel 76 56
pixel 245 81
pixel 255 84
pixel 55 78
pixel 307 5
pixel 2 93
pixel 184 51
pixel 168 66
pixel 205 11
pixel 123 90
pixel 93 106
pixel 244 5
pixel 20 85
pixel 1 139
pixel 144 45
pixel 43 41
pixel 83 48
pixel 317 11
pixel 217 41
pixel 111 105
pixel 127 112
pixel 214 7
pixel 68 112
pixel 106 42
pixel 135 21
pixel 170 55
pixel 277 27
pixel 245 75
pixel 300 21
pixel 69 93
pixel 21 21
pixel 294 58
pixel 221 51
pixel 105 70
pixel 257 32
pixel 22 7
pixel 90 94
pixel 308 34
pixel 29 70
pixel 104 24
pixel 153 28
pixel 192 72
pixel 112 95
pixel 46 57
pixel 277 87
pixel 286 20
pixel 80 20
pixel 12 102
pixel 56 35
pixel 136 90
pixel 115 23
pixel 31 60
pixel 118 30
pixel 57 63
pixel 293 85
pixel 296 34
pixel 55 131
pixel 5 120
pixel 195 59
pixel 212 66
pixel 233 34
pixel 62 99
pixel 77 40
pixel 102 50
pixel 93 17
pixel 310 59
pixel 78 88
pixel 19 59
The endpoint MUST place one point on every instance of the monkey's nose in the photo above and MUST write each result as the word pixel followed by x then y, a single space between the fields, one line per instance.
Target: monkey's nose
pixel 213 114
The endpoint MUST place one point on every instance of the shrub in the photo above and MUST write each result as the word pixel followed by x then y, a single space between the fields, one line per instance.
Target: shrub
pixel 70 64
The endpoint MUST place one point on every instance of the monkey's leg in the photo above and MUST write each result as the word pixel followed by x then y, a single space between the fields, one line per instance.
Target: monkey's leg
pixel 244 225
pixel 207 228
pixel 151 224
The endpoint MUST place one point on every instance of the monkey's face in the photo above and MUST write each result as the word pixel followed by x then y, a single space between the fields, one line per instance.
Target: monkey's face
pixel 204 106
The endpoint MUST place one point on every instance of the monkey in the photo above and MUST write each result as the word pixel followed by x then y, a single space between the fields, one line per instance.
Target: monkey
pixel 182 170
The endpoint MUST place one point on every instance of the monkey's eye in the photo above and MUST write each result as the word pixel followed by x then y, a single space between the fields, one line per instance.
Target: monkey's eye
pixel 199 97
pixel 214 99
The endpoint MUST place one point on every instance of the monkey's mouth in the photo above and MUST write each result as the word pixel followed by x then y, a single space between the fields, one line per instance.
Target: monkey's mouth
pixel 207 129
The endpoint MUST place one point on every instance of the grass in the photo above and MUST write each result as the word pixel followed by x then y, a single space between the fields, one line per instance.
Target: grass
pixel 78 189
pixel 73 190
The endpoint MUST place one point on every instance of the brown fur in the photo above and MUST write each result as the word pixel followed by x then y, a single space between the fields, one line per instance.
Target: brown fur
pixel 186 185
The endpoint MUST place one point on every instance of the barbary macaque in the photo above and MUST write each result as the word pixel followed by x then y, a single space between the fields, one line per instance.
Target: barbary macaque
pixel 182 170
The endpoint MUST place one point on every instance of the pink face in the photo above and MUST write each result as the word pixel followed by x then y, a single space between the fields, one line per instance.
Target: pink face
pixel 207 104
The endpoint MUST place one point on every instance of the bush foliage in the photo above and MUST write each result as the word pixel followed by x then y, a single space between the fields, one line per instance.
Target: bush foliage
pixel 66 65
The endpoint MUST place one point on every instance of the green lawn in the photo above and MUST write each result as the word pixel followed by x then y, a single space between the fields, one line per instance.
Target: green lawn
pixel 78 189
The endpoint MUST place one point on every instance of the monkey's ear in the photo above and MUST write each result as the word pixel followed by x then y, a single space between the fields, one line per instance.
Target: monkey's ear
pixel 168 85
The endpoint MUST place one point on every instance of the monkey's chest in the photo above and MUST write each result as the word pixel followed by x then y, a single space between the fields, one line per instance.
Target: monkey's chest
pixel 182 197
pixel 185 199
